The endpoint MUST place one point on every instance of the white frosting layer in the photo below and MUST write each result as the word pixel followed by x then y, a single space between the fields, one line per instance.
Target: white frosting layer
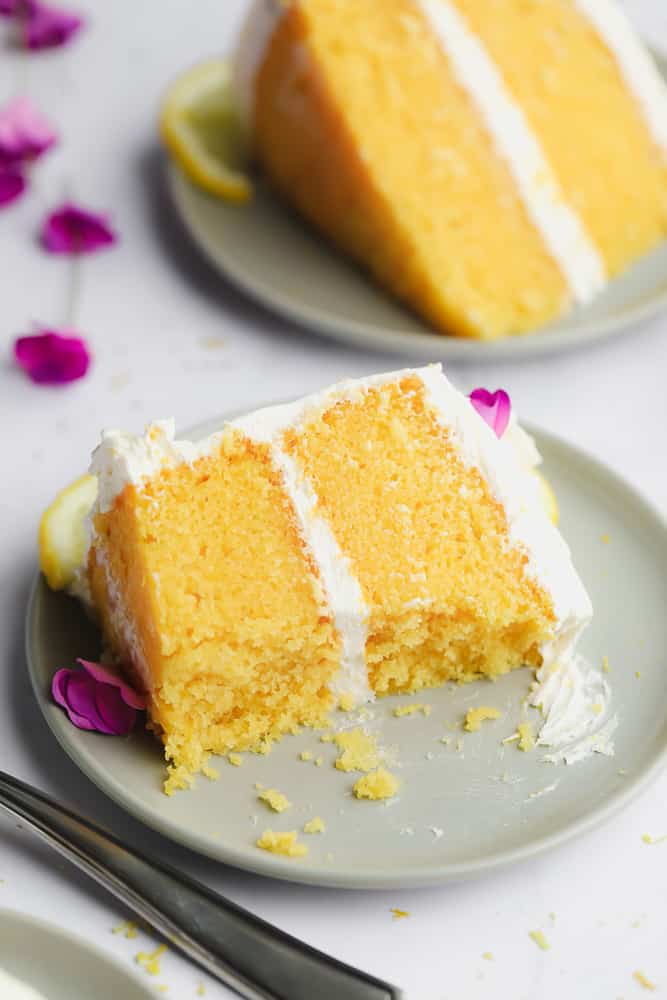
pixel 636 66
pixel 254 39
pixel 575 700
pixel 561 228
pixel 506 465
pixel 12 989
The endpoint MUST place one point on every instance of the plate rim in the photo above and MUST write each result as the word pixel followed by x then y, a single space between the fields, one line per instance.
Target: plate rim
pixel 70 937
pixel 263 863
pixel 362 335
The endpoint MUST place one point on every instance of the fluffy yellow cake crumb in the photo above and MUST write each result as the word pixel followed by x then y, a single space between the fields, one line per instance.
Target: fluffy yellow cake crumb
pixel 235 759
pixel 210 772
pixel 526 736
pixel 319 761
pixel 412 710
pixel 128 929
pixel 476 716
pixel 643 981
pixel 306 755
pixel 275 799
pixel 150 960
pixel 540 940
pixel 606 669
pixel 399 914
pixel 359 751
pixel 487 956
pixel 314 825
pixel 377 785
pixel 282 843
pixel 346 703
pixel 327 738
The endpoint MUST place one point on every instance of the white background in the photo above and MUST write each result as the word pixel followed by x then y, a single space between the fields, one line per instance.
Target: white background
pixel 150 308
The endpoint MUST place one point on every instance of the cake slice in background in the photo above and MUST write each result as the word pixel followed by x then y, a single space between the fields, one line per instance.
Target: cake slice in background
pixel 378 537
pixel 492 164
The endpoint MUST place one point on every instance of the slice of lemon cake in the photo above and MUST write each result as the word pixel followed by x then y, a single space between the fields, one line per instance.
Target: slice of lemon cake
pixel 378 537
pixel 491 163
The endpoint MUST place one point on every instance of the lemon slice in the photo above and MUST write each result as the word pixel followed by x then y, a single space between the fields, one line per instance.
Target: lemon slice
pixel 202 131
pixel 62 532
pixel 548 498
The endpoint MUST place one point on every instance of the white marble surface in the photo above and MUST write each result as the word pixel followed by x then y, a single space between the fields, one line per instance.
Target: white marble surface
pixel 150 308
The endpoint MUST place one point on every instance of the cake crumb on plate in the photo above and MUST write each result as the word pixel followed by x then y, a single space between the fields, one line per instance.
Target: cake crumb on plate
pixel 314 825
pixel 540 940
pixel 643 981
pixel 399 914
pixel 282 843
pixel 476 716
pixel 274 799
pixel 359 751
pixel 377 785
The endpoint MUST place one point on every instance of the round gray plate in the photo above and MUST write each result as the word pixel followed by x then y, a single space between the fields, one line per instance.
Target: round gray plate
pixel 271 255
pixel 62 966
pixel 480 797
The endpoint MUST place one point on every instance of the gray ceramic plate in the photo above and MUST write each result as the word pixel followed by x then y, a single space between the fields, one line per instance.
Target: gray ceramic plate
pixel 62 966
pixel 273 257
pixel 480 798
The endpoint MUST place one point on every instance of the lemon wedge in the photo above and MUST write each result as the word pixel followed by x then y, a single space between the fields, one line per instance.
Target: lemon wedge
pixel 548 498
pixel 202 131
pixel 62 532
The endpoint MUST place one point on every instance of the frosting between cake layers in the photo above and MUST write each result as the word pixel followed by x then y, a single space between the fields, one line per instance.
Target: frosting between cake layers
pixel 636 66
pixel 506 465
pixel 560 226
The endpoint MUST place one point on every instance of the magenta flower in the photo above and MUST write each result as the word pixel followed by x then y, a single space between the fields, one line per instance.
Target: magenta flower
pixel 25 134
pixel 49 27
pixel 12 185
pixel 494 408
pixel 95 698
pixel 73 230
pixel 52 358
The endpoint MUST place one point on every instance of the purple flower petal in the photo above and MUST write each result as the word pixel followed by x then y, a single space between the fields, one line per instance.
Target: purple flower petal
pixel 12 186
pixel 118 716
pixel 17 8
pixel 25 134
pixel 81 691
pixel 49 27
pixel 59 689
pixel 72 230
pixel 105 676
pixel 494 408
pixel 52 358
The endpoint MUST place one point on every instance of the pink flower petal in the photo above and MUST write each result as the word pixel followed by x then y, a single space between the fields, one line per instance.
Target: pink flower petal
pixel 117 715
pixel 49 27
pixel 25 134
pixel 106 676
pixel 12 186
pixel 81 691
pixel 52 358
pixel 495 408
pixel 59 689
pixel 72 230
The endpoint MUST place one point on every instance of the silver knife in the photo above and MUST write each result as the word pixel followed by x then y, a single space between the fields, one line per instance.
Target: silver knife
pixel 250 956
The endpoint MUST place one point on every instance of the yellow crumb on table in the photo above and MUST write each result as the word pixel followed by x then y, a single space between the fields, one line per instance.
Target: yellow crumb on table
pixel 128 928
pixel 476 716
pixel 275 799
pixel 638 674
pixel 306 755
pixel 201 990
pixel 399 914
pixel 319 761
pixel 209 772
pixel 605 538
pixel 359 751
pixel 487 956
pixel 150 960
pixel 235 759
pixel 540 940
pixel 314 825
pixel 606 669
pixel 282 843
pixel 648 839
pixel 346 702
pixel 403 710
pixel 377 785
pixel 643 981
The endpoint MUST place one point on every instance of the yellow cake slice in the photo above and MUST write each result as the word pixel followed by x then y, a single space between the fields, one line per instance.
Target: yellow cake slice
pixel 490 163
pixel 378 537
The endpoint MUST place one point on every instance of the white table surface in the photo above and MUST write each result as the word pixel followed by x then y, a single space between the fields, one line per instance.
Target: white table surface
pixel 150 308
